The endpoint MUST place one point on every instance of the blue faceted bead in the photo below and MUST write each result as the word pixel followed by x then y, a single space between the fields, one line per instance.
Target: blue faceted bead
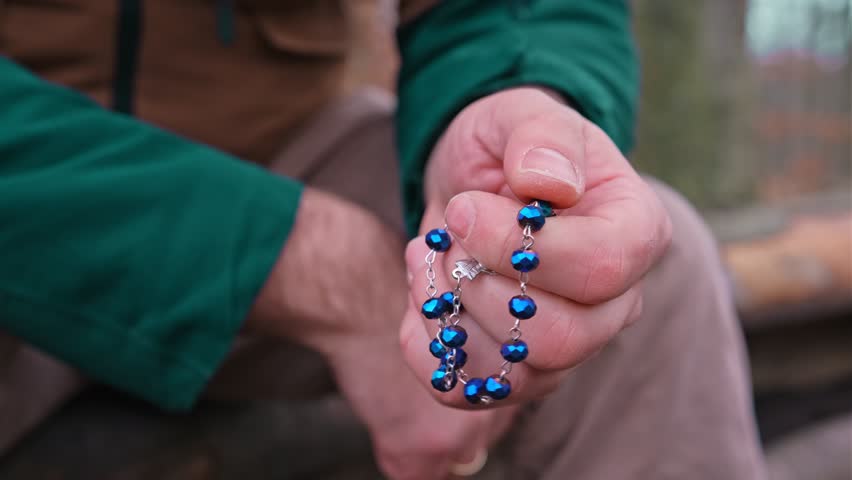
pixel 435 307
pixel 522 307
pixel 546 208
pixel 437 349
pixel 524 260
pixel 515 351
pixel 496 389
pixel 438 239
pixel 461 358
pixel 453 336
pixel 474 390
pixel 531 216
pixel 449 296
pixel 439 382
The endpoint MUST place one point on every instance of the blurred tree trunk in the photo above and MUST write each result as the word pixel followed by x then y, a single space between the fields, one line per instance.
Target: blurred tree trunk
pixel 694 108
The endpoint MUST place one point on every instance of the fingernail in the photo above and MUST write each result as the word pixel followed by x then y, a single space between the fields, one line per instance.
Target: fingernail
pixel 550 163
pixel 460 215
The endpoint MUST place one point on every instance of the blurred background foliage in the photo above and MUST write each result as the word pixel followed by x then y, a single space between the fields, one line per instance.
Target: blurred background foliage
pixel 745 101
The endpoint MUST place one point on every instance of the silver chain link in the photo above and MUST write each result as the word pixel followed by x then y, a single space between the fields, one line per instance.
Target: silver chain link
pixel 431 289
pixel 515 332
pixel 451 367
pixel 505 369
pixel 528 240
pixel 455 317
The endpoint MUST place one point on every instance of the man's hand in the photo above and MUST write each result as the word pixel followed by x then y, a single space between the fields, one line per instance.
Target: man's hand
pixel 339 288
pixel 506 149
pixel 414 437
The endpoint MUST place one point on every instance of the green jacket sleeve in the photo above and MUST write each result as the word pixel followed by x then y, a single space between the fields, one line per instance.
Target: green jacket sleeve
pixel 126 251
pixel 464 49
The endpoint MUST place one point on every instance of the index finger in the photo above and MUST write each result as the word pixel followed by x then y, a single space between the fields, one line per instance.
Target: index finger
pixel 589 258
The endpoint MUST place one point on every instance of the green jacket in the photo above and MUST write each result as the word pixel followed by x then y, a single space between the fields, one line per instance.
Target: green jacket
pixel 126 250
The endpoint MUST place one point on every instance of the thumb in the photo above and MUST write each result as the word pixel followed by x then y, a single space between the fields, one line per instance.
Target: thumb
pixel 544 157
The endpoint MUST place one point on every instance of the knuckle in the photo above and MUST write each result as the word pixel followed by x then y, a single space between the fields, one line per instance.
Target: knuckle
pixel 441 443
pixel 406 336
pixel 538 383
pixel 560 345
pixel 660 229
pixel 549 384
pixel 531 127
pixel 636 311
pixel 607 275
pixel 392 466
pixel 635 248
pixel 664 234
pixel 639 256
pixel 412 251
pixel 442 446
pixel 510 244
pixel 658 238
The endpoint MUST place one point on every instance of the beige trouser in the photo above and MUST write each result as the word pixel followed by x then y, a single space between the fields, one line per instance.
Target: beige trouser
pixel 669 398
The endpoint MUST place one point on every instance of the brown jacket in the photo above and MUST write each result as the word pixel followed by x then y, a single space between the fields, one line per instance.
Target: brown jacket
pixel 285 61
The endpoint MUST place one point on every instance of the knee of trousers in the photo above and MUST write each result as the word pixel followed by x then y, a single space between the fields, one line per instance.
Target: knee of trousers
pixel 32 386
pixel 691 268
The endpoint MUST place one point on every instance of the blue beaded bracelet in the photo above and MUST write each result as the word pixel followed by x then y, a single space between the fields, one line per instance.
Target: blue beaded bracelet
pixel 446 309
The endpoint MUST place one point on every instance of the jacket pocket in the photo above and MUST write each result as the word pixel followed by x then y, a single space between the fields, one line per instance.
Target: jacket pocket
pixel 308 27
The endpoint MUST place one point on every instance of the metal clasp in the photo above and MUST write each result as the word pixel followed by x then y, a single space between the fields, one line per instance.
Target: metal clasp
pixel 470 268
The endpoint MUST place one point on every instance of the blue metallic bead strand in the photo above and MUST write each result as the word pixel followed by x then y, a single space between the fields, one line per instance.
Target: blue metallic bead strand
pixel 438 239
pixel 531 216
pixel 524 260
pixel 515 351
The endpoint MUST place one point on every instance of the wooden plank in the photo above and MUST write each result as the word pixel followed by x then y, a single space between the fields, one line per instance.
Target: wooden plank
pixel 789 263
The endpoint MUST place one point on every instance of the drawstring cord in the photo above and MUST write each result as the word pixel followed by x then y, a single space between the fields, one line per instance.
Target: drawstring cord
pixel 225 21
